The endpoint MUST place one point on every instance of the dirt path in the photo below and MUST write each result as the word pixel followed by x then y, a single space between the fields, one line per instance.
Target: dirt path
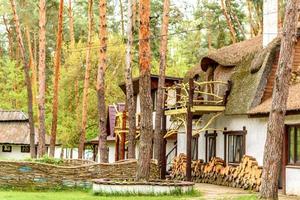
pixel 210 191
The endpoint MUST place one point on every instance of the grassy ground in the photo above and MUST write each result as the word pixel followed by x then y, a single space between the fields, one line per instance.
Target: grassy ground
pixel 76 195
pixel 250 197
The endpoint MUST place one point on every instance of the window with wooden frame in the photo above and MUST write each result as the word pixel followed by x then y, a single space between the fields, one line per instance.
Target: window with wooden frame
pixel 6 148
pixel 210 145
pixel 293 134
pixel 195 147
pixel 25 149
pixel 234 145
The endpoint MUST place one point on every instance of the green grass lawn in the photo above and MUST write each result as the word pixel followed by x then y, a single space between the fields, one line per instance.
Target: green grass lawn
pixel 250 197
pixel 77 195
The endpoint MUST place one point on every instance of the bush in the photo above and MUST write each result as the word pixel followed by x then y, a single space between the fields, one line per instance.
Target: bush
pixel 48 160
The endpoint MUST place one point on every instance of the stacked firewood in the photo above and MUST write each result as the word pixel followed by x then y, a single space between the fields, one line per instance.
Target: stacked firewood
pixel 246 175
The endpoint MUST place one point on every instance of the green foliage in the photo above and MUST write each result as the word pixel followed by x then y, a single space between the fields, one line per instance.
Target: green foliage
pixel 71 87
pixel 12 85
pixel 48 160
pixel 188 38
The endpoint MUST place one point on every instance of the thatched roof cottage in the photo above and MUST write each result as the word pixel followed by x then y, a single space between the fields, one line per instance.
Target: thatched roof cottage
pixel 240 127
pixel 15 135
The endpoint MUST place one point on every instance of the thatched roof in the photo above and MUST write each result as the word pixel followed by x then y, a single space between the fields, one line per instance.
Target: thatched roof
pixel 250 65
pixel 6 115
pixel 194 71
pixel 14 128
pixel 17 133
pixel 293 102
pixel 231 55
pixel 259 58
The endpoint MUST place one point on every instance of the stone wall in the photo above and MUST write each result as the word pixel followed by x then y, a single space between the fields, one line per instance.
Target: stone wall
pixel 40 175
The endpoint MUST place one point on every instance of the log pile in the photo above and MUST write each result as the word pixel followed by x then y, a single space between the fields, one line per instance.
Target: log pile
pixel 246 175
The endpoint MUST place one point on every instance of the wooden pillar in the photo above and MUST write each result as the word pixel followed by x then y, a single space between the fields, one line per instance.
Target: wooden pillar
pixel 71 153
pixel 284 160
pixel 123 137
pixel 206 145
pixel 94 152
pixel 163 149
pixel 244 139
pixel 117 149
pixel 225 145
pixel 189 132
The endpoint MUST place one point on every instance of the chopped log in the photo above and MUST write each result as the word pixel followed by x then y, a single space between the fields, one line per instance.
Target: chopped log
pixel 246 175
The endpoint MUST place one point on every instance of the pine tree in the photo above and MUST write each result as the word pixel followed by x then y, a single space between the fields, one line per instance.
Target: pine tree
pixel 146 136
pixel 274 142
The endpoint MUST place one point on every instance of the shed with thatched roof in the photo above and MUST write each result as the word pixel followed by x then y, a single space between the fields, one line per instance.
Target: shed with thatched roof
pixel 15 135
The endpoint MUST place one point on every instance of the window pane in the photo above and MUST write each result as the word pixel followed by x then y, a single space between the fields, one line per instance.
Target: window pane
pixel 211 147
pixel 291 144
pixel 238 149
pixel 298 146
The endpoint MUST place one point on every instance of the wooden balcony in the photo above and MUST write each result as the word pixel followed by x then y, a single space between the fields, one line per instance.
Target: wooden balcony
pixel 207 97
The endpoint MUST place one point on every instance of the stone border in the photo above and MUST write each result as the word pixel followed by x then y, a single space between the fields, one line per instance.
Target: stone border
pixel 129 186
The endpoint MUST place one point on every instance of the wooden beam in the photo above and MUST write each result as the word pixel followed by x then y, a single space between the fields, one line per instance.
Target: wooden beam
pixel 123 137
pixel 164 146
pixel 196 109
pixel 176 111
pixel 284 160
pixel 117 149
pixel 206 108
pixel 225 145
pixel 189 132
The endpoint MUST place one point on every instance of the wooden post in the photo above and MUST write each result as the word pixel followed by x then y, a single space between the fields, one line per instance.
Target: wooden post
pixel 94 152
pixel 244 139
pixel 284 160
pixel 123 137
pixel 164 145
pixel 189 132
pixel 117 149
pixel 225 145
pixel 206 144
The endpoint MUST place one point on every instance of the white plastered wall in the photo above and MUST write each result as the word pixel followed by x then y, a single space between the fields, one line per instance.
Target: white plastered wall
pixel 15 153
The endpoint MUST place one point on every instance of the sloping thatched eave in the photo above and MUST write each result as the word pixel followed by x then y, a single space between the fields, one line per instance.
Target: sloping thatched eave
pixel 231 55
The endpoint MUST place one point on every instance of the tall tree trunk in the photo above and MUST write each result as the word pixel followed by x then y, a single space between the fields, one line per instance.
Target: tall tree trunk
pixel 71 24
pixel 241 28
pixel 42 77
pixel 130 101
pixel 275 131
pixel 158 134
pixel 32 64
pixel 27 78
pixel 9 36
pixel 145 146
pixel 103 153
pixel 86 82
pixel 122 17
pixel 252 26
pixel 56 78
pixel 229 22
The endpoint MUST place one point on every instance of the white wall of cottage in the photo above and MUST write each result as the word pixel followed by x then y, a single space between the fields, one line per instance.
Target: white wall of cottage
pixel 255 141
pixel 15 153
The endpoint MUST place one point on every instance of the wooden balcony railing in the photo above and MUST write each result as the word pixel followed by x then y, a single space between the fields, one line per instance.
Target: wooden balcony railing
pixel 208 93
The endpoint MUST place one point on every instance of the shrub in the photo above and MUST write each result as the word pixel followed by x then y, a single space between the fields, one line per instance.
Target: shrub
pixel 48 160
